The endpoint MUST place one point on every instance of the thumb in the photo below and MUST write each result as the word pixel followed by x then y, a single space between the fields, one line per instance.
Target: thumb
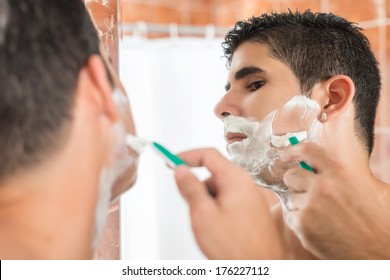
pixel 193 190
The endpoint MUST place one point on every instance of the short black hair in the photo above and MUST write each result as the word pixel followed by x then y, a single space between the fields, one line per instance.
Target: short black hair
pixel 317 46
pixel 43 46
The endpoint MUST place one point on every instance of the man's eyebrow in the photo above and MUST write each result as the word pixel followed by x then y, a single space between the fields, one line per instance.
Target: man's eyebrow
pixel 246 71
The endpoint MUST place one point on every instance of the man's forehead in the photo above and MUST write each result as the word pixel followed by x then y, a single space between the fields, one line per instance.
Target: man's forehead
pixel 249 55
pixel 248 51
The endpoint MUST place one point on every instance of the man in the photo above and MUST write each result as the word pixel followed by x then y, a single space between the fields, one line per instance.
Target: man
pixel 63 122
pixel 274 59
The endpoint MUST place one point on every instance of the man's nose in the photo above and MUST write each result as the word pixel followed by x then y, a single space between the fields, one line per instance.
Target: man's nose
pixel 228 105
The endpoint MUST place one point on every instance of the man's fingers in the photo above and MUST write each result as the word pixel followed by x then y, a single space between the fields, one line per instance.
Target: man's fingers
pixel 193 190
pixel 311 153
pixel 225 175
pixel 298 179
pixel 210 158
pixel 211 187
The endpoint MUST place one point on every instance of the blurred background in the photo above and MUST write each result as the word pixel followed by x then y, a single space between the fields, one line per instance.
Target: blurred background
pixel 169 56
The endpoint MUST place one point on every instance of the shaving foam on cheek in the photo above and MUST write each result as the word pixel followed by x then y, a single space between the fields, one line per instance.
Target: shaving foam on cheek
pixel 119 162
pixel 283 141
pixel 137 144
pixel 299 116
pixel 260 152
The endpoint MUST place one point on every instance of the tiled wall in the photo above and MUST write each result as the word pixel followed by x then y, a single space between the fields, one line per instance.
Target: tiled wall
pixel 226 12
pixel 373 15
pixel 106 15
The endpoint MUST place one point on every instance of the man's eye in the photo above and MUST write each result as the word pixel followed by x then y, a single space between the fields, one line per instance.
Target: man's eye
pixel 256 85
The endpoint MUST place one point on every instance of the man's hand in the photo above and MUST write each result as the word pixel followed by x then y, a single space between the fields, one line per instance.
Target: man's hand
pixel 236 222
pixel 337 213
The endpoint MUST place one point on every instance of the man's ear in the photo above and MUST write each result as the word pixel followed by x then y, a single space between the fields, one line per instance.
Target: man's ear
pixel 340 90
pixel 96 73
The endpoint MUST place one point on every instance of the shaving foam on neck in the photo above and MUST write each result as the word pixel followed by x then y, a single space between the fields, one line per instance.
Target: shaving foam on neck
pixel 119 162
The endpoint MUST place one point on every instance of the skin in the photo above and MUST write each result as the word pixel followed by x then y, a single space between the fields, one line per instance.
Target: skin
pixel 355 209
pixel 302 233
pixel 48 211
pixel 224 219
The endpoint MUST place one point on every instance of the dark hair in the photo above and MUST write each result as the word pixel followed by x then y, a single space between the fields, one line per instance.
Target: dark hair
pixel 43 46
pixel 317 46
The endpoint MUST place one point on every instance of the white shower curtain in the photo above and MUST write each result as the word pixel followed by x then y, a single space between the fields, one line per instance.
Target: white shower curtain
pixel 173 85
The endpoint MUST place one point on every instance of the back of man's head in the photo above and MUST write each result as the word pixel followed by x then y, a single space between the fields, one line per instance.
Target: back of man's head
pixel 43 46
pixel 317 46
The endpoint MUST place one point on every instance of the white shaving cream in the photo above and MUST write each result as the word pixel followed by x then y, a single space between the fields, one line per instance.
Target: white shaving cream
pixel 119 161
pixel 260 152
pixel 137 144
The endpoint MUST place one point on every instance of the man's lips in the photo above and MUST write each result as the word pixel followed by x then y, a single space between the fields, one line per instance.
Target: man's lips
pixel 234 137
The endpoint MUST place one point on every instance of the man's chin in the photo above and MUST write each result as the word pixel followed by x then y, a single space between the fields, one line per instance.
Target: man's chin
pixel 261 172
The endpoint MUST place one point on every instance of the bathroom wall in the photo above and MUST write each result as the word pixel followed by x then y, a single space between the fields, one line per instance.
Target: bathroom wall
pixel 106 15
pixel 373 15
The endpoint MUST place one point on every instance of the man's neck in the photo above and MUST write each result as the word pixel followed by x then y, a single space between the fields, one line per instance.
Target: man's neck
pixel 45 215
